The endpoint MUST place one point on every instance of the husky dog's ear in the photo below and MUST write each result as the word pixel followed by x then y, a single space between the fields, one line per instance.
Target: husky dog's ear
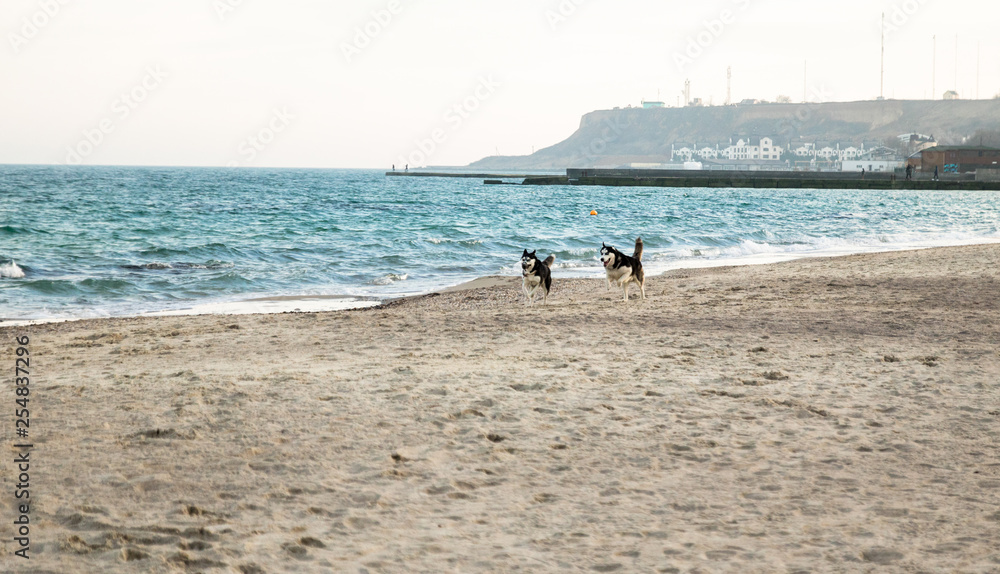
pixel 603 244
pixel 525 253
pixel 534 252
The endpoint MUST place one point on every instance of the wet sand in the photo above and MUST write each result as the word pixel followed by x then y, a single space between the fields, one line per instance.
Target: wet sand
pixel 824 415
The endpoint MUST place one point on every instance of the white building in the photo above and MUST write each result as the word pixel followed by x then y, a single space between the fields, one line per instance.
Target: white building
pixel 849 153
pixel 752 148
pixel 829 151
pixel 877 160
pixel 709 152
pixel 871 166
pixel 682 152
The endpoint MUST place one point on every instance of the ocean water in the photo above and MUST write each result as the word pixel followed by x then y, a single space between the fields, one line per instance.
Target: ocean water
pixel 105 241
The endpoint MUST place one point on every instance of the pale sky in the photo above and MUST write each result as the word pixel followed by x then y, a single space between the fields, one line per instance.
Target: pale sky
pixel 309 83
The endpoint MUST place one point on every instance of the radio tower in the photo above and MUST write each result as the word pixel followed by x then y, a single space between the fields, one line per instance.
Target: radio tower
pixel 687 93
pixel 979 61
pixel 956 63
pixel 881 94
pixel 805 82
pixel 729 86
pixel 934 73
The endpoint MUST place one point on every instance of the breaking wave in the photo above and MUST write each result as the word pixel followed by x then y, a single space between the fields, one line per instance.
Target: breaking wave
pixel 390 278
pixel 11 271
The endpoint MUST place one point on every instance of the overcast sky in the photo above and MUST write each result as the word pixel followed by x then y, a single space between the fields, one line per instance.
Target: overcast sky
pixel 311 83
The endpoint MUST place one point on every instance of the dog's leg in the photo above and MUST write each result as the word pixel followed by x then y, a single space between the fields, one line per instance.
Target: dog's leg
pixel 625 289
pixel 642 287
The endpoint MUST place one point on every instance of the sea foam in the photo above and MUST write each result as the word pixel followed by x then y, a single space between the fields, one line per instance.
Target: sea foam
pixel 11 271
pixel 390 278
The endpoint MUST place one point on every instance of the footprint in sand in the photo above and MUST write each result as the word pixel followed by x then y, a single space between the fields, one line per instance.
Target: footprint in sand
pixel 311 542
pixel 881 556
pixel 132 555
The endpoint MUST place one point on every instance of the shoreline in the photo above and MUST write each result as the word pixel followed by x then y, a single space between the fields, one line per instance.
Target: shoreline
pixel 280 304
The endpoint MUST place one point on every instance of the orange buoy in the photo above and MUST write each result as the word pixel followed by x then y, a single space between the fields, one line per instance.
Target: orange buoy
pixel 593 212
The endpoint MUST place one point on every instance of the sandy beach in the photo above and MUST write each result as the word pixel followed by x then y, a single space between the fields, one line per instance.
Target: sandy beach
pixel 822 415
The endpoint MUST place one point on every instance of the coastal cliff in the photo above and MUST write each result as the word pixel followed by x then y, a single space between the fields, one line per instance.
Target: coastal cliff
pixel 609 138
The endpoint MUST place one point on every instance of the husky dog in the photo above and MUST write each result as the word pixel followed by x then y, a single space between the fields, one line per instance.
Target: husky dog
pixel 537 275
pixel 622 269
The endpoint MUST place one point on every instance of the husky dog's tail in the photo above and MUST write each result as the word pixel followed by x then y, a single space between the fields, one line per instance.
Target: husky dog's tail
pixel 638 249
pixel 548 262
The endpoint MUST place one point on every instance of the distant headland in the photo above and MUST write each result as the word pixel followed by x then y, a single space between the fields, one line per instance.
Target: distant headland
pixel 639 136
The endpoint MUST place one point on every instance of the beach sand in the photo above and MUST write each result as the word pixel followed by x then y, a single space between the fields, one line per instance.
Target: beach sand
pixel 823 415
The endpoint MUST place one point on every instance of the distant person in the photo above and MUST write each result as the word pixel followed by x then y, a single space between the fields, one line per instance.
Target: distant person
pixel 909 172
pixel 935 173
pixel 862 173
pixel 407 168
pixel 393 167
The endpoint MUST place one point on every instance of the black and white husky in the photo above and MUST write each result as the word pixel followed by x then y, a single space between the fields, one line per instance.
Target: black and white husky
pixel 537 275
pixel 622 269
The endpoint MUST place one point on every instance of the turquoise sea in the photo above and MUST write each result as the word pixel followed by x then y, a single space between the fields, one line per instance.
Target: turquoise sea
pixel 105 241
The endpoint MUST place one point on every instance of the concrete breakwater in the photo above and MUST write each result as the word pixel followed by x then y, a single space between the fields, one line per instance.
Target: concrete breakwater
pixel 760 179
pixel 459 174
pixel 729 179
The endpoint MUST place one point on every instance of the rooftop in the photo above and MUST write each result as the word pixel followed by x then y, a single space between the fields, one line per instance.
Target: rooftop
pixel 961 148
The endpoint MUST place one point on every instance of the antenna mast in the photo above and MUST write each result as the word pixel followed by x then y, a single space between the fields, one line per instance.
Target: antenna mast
pixel 956 63
pixel 805 82
pixel 979 61
pixel 881 94
pixel 729 85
